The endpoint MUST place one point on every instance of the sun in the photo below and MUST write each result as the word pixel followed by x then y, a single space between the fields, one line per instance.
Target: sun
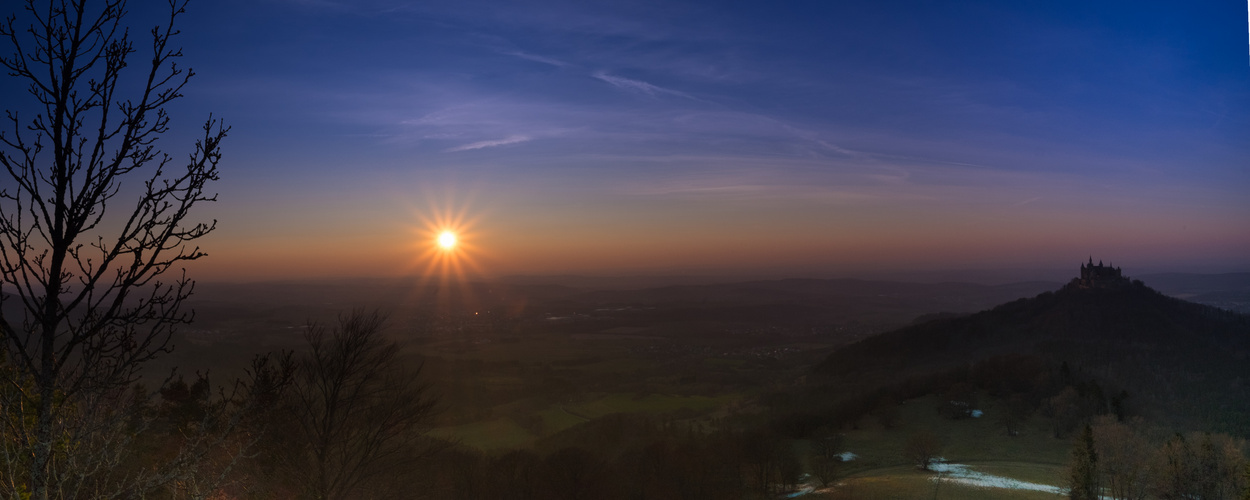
pixel 447 240
pixel 446 245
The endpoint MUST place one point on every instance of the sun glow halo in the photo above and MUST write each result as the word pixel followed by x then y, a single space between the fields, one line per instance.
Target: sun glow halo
pixel 447 240
pixel 446 244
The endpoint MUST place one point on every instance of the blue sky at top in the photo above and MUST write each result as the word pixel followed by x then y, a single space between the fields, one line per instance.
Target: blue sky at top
pixel 1039 128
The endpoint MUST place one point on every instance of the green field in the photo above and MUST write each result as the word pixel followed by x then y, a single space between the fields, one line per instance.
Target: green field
pixel 1029 472
pixel 882 472
pixel 489 435
pixel 652 404
pixel 506 392
pixel 504 433
pixel 528 389
pixel 969 440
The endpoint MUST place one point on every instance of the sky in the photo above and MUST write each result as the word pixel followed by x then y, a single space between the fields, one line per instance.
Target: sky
pixel 772 138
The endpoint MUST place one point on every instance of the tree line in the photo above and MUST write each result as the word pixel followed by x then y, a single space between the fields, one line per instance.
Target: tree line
pixel 1124 461
pixel 342 420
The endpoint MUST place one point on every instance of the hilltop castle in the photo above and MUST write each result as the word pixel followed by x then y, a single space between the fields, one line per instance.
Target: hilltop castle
pixel 1100 276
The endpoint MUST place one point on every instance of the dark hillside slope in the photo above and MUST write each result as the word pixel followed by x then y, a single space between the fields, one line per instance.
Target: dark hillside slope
pixel 1183 362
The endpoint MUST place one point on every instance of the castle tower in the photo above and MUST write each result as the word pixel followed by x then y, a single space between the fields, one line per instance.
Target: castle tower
pixel 1100 276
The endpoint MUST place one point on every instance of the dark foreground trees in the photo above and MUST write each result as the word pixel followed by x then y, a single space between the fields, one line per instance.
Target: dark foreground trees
pixel 360 415
pixel 1084 481
pixel 93 216
pixel 1117 460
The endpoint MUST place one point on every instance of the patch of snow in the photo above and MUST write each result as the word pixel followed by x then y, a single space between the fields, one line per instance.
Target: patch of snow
pixel 976 413
pixel 962 474
pixel 847 456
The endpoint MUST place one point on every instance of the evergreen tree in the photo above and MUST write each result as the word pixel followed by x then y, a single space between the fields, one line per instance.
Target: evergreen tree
pixel 1083 472
pixel 1245 494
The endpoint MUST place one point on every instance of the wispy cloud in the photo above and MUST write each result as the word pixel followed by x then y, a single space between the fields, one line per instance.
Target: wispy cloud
pixel 536 58
pixel 325 5
pixel 490 144
pixel 639 86
pixel 815 138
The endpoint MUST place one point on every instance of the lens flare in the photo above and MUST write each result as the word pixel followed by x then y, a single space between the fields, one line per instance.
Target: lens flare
pixel 446 249
pixel 447 257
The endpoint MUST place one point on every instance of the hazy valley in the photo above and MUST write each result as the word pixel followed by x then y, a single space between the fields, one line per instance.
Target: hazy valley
pixel 545 367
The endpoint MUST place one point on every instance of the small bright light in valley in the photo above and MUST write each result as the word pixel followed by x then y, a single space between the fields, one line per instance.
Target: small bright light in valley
pixel 447 240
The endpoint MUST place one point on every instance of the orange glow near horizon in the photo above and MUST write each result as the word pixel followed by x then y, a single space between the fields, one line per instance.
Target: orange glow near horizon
pixel 503 236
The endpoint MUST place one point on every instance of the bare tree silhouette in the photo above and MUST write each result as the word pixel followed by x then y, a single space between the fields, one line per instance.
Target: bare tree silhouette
pixel 92 216
pixel 361 414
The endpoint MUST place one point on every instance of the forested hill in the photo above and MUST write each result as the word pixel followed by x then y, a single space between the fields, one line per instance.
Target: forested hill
pixel 1180 361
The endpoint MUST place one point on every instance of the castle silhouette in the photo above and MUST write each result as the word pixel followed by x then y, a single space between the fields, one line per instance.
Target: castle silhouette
pixel 1100 276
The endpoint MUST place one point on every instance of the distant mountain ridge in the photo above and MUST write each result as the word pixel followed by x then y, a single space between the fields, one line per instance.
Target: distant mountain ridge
pixel 1181 359
pixel 1181 283
pixel 1227 291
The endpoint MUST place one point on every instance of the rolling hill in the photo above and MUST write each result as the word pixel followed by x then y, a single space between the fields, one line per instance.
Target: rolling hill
pixel 1181 363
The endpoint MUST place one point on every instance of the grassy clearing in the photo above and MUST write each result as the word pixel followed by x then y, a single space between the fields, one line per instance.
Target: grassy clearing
pixel 504 433
pixel 910 485
pixel 968 440
pixel 488 435
pixel 618 365
pixel 724 363
pixel 529 348
pixel 555 419
pixel 649 404
pixel 1054 475
pixel 881 471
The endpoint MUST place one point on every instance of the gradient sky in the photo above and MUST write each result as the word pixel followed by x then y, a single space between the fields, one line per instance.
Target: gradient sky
pixel 671 136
